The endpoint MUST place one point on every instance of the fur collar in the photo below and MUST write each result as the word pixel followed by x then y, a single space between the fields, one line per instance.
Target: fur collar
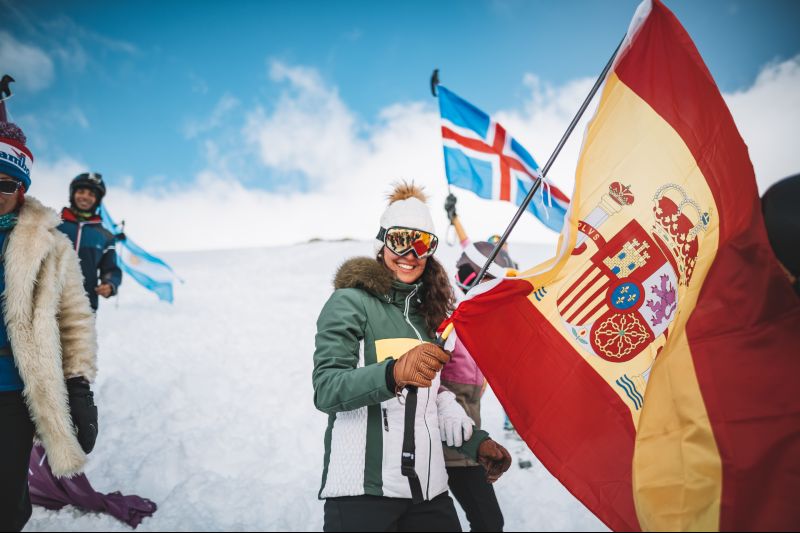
pixel 369 275
pixel 36 215
pixel 364 273
pixel 28 244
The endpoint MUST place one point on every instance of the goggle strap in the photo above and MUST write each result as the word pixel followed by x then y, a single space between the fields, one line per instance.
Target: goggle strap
pixel 469 279
pixel 382 234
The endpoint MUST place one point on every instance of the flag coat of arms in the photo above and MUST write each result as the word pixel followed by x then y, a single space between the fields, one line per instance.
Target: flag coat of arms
pixel 652 365
pixel 480 156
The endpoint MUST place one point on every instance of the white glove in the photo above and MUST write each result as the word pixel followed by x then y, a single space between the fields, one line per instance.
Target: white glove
pixel 454 424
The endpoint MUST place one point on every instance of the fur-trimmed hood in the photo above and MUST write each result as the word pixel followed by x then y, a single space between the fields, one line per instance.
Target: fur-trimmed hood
pixel 369 275
pixel 50 326
pixel 364 273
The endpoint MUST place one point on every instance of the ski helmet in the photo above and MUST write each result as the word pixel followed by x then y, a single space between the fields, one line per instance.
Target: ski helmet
pixel 472 260
pixel 88 180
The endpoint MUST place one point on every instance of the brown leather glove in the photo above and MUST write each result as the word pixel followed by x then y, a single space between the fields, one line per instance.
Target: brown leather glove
pixel 494 458
pixel 419 366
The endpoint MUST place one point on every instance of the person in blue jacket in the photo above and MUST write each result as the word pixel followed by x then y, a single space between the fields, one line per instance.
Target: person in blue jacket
pixel 94 244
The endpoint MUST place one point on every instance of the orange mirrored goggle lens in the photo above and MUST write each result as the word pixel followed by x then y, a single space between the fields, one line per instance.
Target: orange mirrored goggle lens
pixel 404 240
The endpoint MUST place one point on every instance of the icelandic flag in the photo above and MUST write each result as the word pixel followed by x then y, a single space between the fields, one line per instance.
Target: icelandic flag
pixel 481 157
pixel 148 270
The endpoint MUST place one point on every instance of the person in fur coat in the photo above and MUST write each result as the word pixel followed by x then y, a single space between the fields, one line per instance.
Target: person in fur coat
pixel 47 338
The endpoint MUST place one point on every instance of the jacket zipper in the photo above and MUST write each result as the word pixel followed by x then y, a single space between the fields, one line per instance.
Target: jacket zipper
pixel 80 234
pixel 78 237
pixel 385 420
pixel 427 401
pixel 405 312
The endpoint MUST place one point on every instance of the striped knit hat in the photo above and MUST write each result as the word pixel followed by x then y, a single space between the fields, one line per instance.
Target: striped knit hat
pixel 15 158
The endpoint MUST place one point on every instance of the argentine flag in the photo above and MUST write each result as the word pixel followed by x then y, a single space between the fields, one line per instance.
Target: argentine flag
pixel 148 270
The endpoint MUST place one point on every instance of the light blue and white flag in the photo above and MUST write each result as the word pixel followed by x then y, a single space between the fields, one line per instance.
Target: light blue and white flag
pixel 148 270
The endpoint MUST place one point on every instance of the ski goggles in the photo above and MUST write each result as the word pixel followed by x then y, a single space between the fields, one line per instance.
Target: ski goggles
pixel 494 239
pixel 9 186
pixel 404 240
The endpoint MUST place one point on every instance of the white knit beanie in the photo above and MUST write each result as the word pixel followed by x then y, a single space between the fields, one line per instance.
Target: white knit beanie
pixel 407 209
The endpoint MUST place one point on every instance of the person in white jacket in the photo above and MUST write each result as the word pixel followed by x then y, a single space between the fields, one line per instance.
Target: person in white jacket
pixel 376 374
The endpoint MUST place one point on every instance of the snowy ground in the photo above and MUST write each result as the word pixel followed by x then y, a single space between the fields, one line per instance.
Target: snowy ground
pixel 206 405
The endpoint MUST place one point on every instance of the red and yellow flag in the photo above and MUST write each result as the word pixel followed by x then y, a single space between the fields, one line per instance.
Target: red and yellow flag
pixel 653 365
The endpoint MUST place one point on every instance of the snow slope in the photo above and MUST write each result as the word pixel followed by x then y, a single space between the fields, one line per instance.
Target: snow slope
pixel 206 406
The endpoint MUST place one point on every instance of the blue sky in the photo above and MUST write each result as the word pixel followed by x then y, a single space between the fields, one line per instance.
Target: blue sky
pixel 128 77
pixel 131 89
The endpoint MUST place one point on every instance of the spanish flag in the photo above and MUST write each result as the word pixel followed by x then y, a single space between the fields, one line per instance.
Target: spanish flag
pixel 653 365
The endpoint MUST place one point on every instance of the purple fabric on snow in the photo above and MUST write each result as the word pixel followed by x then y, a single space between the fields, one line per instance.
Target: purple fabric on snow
pixel 54 493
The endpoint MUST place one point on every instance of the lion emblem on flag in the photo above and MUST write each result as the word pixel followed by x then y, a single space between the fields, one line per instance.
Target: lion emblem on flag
pixel 626 295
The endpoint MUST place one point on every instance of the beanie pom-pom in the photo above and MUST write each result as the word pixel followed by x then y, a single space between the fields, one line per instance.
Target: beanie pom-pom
pixel 9 130
pixel 404 190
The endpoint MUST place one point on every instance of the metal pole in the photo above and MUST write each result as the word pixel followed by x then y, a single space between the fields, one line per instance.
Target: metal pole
pixel 546 168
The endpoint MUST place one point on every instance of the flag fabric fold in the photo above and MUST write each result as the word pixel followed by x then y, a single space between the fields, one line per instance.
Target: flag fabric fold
pixel 652 365
pixel 146 269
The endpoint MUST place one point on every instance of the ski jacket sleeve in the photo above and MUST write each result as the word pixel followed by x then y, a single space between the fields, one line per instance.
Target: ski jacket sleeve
pixel 109 269
pixel 341 381
pixel 76 321
pixel 446 400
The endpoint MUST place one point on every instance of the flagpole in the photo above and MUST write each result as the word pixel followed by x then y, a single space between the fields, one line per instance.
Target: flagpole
pixel 524 206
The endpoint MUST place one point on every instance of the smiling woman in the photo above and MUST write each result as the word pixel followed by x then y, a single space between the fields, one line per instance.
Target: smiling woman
pixel 374 358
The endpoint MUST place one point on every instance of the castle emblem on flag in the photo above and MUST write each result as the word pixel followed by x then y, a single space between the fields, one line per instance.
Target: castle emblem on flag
pixel 626 295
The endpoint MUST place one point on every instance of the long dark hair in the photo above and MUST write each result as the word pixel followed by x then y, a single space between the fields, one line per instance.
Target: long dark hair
pixel 438 299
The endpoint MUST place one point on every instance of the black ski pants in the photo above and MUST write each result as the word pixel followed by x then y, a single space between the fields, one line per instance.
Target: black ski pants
pixel 15 453
pixel 375 513
pixel 476 496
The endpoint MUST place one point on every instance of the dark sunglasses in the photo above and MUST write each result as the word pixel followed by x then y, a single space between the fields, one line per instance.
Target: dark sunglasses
pixel 9 186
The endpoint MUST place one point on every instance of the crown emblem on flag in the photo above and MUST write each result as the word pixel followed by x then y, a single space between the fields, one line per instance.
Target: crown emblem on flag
pixel 678 221
pixel 620 193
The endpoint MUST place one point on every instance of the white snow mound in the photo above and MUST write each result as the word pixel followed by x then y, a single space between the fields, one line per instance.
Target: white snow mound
pixel 206 405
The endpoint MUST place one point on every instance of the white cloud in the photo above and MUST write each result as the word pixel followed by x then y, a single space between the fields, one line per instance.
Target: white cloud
pixel 544 118
pixel 30 66
pixel 767 115
pixel 64 28
pixel 72 54
pixel 224 107
pixel 349 164
pixel 80 117
pixel 310 130
pixel 50 180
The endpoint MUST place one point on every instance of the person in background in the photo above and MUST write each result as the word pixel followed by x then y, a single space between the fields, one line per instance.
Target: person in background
pixel 376 375
pixel 780 206
pixel 463 377
pixel 94 243
pixel 48 344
